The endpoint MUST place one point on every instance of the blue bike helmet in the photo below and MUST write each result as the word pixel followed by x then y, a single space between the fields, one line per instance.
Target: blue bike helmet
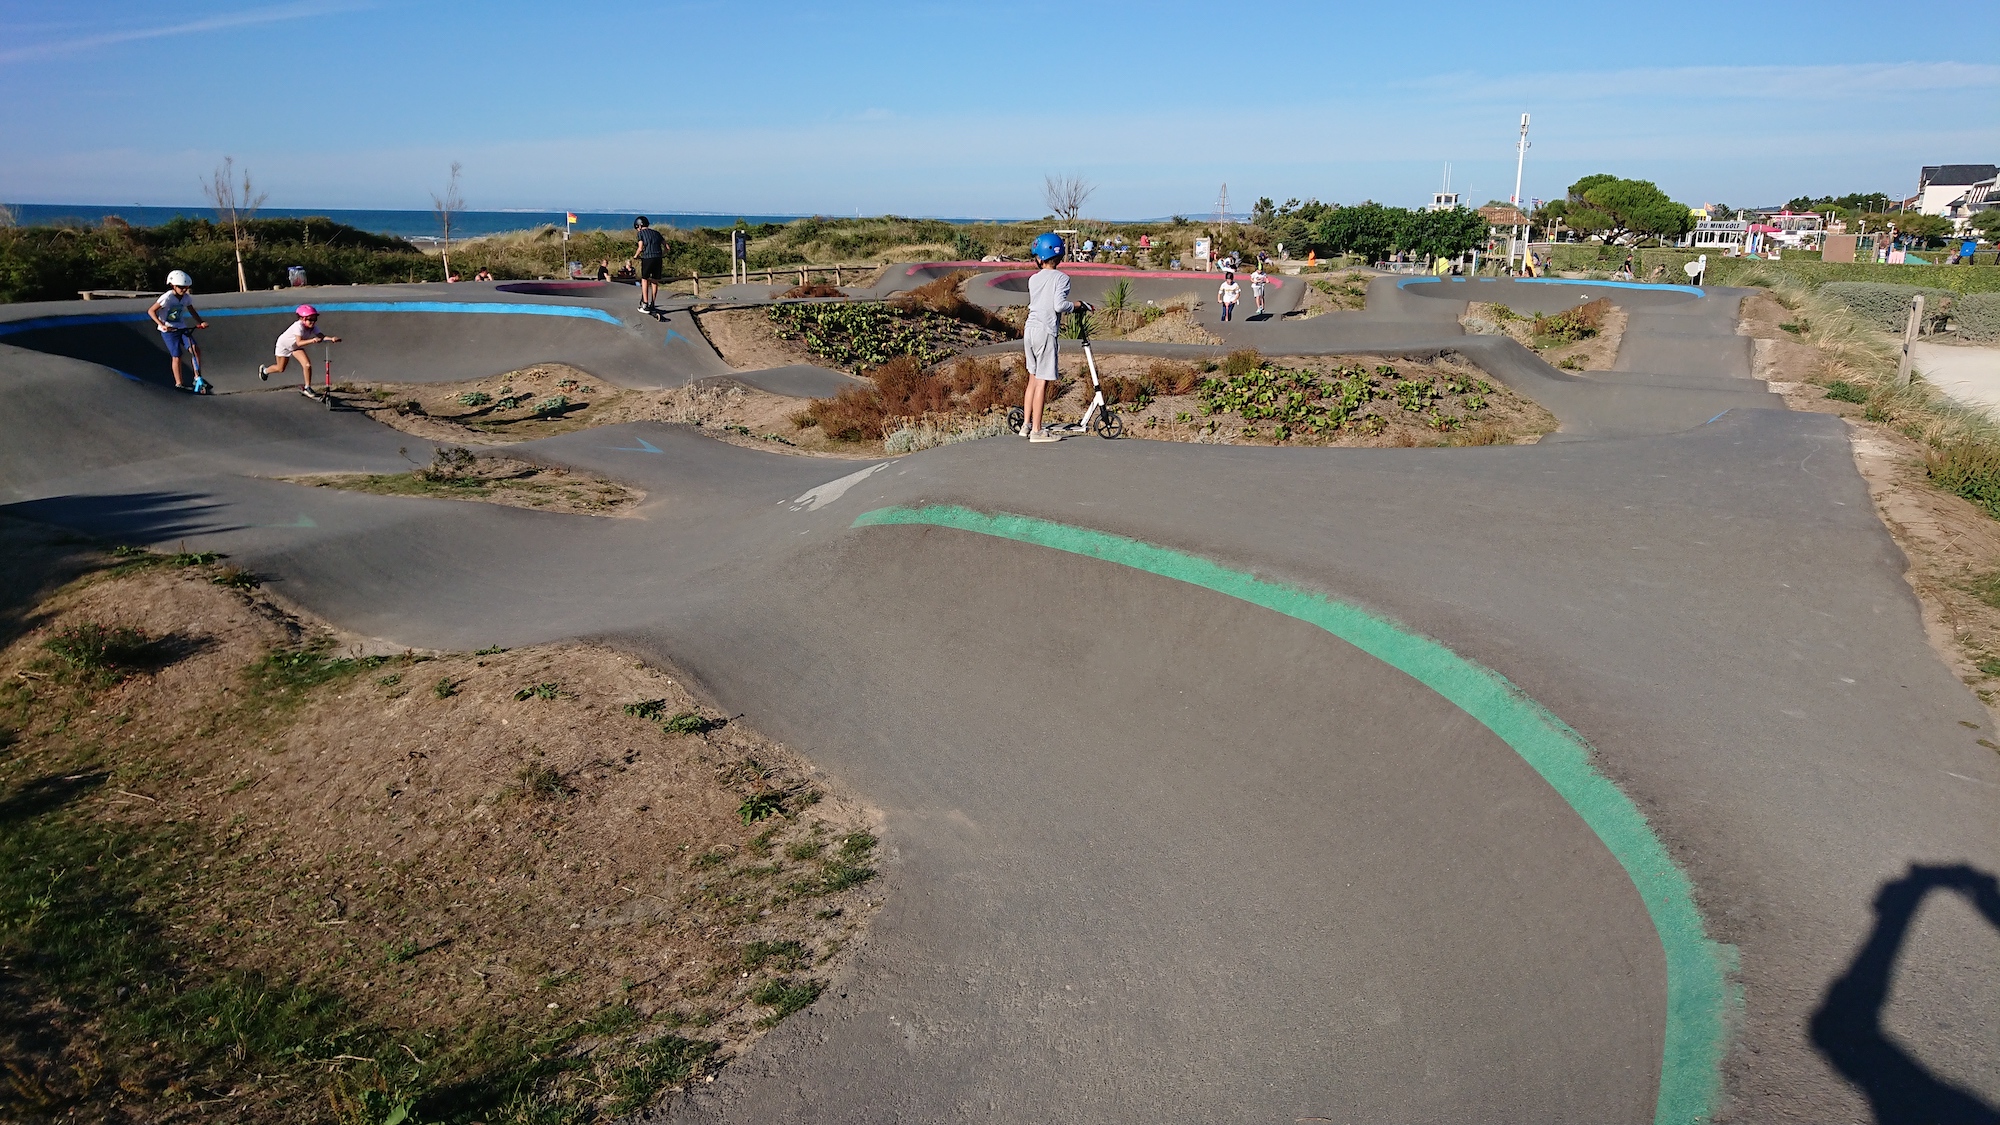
pixel 1047 246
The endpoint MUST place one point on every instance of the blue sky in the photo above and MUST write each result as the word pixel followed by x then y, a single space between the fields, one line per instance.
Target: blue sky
pixel 960 109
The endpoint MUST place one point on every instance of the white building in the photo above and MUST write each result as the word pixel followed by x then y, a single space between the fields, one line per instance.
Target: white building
pixel 1957 191
pixel 1718 234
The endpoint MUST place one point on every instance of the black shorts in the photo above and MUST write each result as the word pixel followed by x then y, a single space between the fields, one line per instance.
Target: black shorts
pixel 649 269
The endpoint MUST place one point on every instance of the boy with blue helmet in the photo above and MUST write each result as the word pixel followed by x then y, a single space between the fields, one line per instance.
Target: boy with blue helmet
pixel 1048 299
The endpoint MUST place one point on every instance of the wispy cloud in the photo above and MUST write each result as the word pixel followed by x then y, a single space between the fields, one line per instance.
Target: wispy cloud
pixel 53 47
pixel 1683 83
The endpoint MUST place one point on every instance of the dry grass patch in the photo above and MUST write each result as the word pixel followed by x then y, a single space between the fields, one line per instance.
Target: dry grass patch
pixel 273 879
pixel 456 473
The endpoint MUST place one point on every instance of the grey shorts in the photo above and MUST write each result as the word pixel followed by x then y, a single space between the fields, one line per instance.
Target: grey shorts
pixel 1041 349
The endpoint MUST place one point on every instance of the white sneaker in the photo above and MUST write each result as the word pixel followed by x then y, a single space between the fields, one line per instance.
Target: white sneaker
pixel 1043 435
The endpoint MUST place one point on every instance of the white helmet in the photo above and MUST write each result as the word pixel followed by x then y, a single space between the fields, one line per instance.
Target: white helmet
pixel 180 279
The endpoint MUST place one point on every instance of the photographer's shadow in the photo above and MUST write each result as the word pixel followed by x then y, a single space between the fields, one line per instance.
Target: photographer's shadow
pixel 1847 1028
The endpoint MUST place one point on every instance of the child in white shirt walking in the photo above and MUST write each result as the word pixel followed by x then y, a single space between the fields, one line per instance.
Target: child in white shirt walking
pixel 1228 294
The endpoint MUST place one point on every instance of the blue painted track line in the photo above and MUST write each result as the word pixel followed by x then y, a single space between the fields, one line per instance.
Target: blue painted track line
pixel 1561 281
pixel 484 307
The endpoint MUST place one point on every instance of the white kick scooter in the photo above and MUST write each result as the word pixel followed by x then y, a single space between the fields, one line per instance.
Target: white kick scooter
pixel 1099 416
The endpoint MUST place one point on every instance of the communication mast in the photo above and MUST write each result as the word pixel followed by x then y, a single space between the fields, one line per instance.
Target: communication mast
pixel 1222 206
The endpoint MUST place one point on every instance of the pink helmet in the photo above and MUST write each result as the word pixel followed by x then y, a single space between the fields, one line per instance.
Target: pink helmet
pixel 305 311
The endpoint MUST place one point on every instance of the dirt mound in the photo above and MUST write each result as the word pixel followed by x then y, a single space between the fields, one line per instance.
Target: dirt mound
pixel 255 864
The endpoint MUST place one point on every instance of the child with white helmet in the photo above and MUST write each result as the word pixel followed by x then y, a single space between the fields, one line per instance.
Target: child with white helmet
pixel 1048 299
pixel 292 344
pixel 175 315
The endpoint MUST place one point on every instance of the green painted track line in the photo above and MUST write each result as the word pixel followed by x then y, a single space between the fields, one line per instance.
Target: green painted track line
pixel 1702 998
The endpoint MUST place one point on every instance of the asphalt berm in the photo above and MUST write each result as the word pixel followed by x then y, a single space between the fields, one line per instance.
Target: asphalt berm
pixel 1531 782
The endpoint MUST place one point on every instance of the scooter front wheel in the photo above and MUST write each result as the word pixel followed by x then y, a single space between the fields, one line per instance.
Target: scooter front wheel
pixel 1109 424
pixel 1014 420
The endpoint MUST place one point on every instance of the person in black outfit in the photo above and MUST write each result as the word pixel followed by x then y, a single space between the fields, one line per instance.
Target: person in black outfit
pixel 651 255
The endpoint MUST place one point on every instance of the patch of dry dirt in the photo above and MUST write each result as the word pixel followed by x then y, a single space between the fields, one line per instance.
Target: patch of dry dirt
pixel 453 844
pixel 745 341
pixel 1349 291
pixel 495 480
pixel 1179 323
pixel 736 413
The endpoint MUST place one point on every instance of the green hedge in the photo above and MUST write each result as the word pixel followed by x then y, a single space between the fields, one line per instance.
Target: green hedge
pixel 53 263
pixel 1885 306
pixel 1958 279
pixel 1977 316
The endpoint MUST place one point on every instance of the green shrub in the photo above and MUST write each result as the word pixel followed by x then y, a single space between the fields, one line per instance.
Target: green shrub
pixel 1842 391
pixel 1978 317
pixel 97 648
pixel 1883 305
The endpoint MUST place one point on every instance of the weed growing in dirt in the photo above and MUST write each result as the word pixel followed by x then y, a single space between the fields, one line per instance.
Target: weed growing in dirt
pixel 132 560
pixel 284 674
pixel 445 688
pixel 648 709
pixel 236 578
pixel 784 996
pixel 103 653
pixel 1986 588
pixel 474 398
pixel 759 806
pixel 542 782
pixel 489 650
pixel 661 1062
pixel 539 691
pixel 785 956
pixel 1841 390
pixel 448 462
pixel 688 722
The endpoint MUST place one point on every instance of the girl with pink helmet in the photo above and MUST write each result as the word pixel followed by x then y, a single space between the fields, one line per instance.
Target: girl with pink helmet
pixel 292 344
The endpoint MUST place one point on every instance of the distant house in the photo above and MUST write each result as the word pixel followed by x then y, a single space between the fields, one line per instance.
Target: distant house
pixel 1718 234
pixel 1956 191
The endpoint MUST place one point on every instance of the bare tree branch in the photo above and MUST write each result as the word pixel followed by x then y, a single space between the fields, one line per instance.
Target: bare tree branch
pixel 234 206
pixel 1065 195
pixel 447 207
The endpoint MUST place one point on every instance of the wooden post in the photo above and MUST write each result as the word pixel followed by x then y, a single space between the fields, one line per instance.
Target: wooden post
pixel 1910 339
pixel 836 275
pixel 697 283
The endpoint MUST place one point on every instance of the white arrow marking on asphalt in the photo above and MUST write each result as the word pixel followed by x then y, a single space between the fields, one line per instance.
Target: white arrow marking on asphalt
pixel 833 490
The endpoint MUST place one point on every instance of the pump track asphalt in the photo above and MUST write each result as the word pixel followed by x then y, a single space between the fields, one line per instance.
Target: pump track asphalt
pixel 1607 779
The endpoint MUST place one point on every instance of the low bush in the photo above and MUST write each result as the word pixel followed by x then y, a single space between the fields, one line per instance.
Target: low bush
pixel 798 291
pixel 1883 306
pixel 868 334
pixel 904 390
pixel 97 649
pixel 1977 317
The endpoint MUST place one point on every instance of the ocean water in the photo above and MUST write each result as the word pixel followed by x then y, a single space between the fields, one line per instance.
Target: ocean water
pixel 418 225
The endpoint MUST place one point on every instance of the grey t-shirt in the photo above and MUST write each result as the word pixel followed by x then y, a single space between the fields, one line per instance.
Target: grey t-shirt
pixel 651 244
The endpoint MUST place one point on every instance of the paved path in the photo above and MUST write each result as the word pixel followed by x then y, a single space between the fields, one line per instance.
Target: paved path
pixel 1202 801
